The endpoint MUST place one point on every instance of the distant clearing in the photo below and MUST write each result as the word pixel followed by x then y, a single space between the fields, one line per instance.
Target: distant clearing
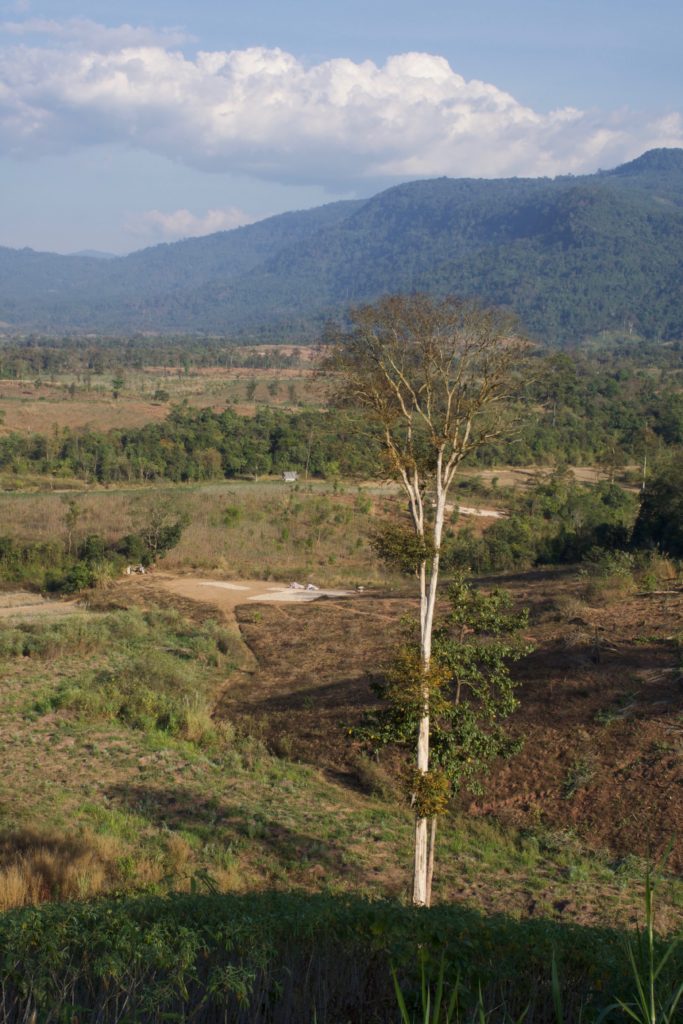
pixel 227 595
pixel 38 406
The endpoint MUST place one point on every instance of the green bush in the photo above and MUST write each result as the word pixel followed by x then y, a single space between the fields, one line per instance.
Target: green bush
pixel 291 959
pixel 660 518
pixel 232 514
pixel 160 671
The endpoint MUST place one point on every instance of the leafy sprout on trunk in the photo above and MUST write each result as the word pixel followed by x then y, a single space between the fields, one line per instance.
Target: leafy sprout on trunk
pixel 471 695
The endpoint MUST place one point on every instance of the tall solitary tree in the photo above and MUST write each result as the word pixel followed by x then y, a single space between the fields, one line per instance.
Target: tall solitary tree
pixel 434 375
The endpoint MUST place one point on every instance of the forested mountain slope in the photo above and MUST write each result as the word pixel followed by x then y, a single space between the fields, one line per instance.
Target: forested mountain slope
pixel 573 256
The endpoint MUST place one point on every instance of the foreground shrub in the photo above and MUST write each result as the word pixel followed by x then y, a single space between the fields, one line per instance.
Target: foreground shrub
pixel 660 518
pixel 291 959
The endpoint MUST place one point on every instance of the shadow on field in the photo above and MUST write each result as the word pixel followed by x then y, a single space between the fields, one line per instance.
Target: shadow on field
pixel 352 693
pixel 293 958
pixel 511 579
pixel 597 675
pixel 225 822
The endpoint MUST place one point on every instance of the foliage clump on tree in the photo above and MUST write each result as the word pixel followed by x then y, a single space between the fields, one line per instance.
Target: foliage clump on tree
pixel 433 377
pixel 471 693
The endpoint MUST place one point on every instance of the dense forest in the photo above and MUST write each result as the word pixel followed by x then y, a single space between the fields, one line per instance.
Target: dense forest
pixel 572 256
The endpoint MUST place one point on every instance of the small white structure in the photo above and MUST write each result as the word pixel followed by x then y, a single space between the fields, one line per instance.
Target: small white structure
pixel 290 477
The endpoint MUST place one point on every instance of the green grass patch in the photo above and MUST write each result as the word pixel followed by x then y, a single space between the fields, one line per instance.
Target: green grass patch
pixel 152 671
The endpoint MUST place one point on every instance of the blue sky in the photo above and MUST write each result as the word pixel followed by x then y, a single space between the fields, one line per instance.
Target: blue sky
pixel 125 124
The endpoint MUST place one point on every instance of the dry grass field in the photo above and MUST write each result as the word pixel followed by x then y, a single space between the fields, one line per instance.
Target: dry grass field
pixel 40 406
pixel 265 530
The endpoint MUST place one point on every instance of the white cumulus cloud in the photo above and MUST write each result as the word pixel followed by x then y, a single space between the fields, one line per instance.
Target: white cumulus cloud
pixel 160 226
pixel 262 112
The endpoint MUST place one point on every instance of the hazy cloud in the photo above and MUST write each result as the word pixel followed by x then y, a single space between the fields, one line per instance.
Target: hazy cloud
pixel 86 33
pixel 262 112
pixel 155 225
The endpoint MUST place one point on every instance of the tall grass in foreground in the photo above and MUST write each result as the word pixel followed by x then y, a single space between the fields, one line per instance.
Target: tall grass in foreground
pixel 654 997
pixel 651 1002
pixel 430 1011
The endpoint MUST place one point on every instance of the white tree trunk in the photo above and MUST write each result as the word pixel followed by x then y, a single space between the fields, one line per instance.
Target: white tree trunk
pixel 422 874
pixel 420 895
pixel 421 836
pixel 430 859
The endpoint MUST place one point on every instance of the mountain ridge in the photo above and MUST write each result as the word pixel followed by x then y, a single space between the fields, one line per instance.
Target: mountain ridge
pixel 572 255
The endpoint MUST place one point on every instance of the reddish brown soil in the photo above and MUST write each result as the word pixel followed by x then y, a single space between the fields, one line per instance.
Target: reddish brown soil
pixel 602 717
pixel 601 709
pixel 315 665
pixel 601 705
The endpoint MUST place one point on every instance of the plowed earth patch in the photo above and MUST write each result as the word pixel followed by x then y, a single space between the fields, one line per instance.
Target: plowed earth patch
pixel 601 707
pixel 601 700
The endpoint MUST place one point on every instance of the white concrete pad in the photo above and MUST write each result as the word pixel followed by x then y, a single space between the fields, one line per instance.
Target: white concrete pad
pixel 298 595
pixel 220 583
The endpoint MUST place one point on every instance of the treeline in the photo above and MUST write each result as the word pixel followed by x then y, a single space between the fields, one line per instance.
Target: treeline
pixel 560 521
pixel 599 409
pixel 576 410
pixel 194 445
pixel 39 356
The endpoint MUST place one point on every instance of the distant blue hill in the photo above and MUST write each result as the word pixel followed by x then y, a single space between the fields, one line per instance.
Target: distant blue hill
pixel 96 254
pixel 573 256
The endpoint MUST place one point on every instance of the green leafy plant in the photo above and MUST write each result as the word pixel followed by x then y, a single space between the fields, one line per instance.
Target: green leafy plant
pixel 651 1003
pixel 431 1003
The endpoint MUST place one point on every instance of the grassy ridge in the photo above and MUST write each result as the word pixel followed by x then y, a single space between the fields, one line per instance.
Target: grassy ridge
pixel 253 530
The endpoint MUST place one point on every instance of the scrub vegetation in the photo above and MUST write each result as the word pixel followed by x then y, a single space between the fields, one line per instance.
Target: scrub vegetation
pixel 203 814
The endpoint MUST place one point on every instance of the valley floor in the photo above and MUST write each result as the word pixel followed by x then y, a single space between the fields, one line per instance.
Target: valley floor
pixel 271 793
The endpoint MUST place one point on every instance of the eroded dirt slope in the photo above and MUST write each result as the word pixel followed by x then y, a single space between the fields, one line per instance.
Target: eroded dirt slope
pixel 601 705
pixel 601 699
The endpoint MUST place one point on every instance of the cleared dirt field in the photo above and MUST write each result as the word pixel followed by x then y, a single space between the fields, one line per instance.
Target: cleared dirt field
pixel 601 700
pixel 601 706
pixel 39 406
pixel 228 595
